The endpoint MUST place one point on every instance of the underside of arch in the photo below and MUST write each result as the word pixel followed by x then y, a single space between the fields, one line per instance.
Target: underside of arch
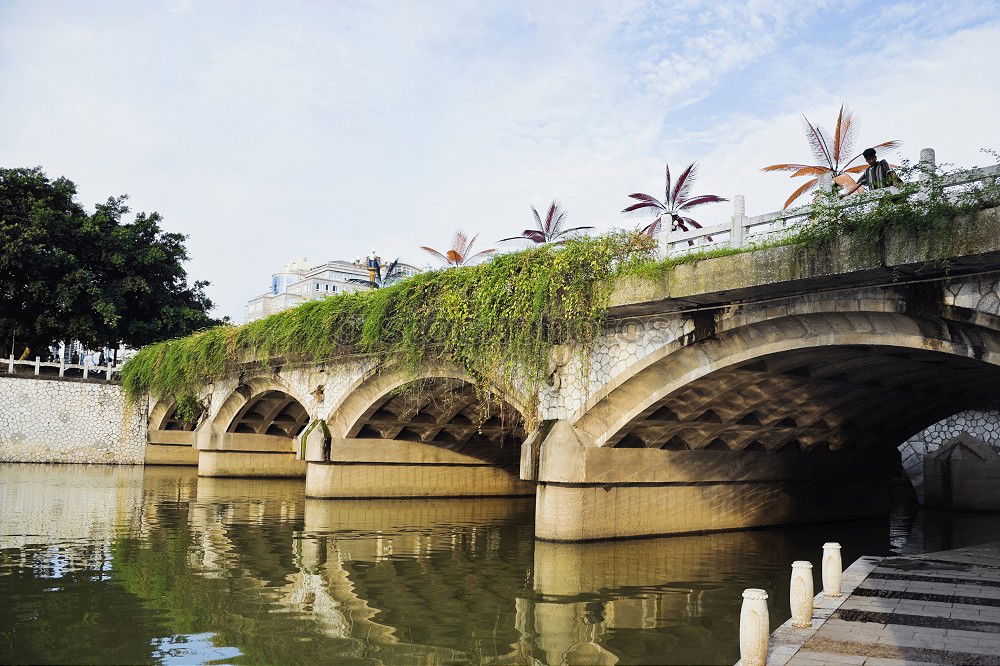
pixel 172 421
pixel 445 412
pixel 837 396
pixel 270 413
pixel 836 379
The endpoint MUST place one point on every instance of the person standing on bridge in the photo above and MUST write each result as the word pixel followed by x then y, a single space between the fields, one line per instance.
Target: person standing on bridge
pixel 879 175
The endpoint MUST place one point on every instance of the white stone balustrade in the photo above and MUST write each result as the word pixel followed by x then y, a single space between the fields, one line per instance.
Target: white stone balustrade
pixel 109 370
pixel 744 231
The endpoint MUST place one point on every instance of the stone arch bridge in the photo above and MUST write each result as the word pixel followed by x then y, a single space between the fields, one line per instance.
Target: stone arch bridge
pixel 761 388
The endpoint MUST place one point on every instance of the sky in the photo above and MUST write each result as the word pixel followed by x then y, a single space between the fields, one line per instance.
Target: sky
pixel 269 131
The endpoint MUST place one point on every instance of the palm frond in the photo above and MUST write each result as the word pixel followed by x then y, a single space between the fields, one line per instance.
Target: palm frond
pixel 479 254
pixel 694 224
pixel 684 183
pixel 551 217
pixel 644 197
pixel 701 200
pixel 367 283
pixel 843 144
pixel 435 252
pixel 888 145
pixel 524 235
pixel 789 167
pixel 844 180
pixel 651 228
pixel 666 196
pixel 645 206
pixel 818 143
pixel 799 192
pixel 811 171
pixel 572 229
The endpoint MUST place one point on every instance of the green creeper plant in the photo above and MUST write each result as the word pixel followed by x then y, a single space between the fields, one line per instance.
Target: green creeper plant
pixel 497 320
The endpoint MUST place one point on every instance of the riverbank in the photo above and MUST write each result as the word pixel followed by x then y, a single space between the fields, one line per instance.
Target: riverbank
pixel 938 608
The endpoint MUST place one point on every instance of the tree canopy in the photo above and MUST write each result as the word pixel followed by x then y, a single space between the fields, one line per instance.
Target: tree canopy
pixel 100 278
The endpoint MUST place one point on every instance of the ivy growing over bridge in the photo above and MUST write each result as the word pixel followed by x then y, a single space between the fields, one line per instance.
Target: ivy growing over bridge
pixel 500 320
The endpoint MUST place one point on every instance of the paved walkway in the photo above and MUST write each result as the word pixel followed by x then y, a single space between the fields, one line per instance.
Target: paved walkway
pixel 936 608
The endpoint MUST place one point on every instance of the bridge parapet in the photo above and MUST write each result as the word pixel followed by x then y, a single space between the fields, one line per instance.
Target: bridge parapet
pixel 743 230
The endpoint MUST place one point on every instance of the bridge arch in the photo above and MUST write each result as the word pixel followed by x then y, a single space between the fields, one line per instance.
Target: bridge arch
pixel 164 416
pixel 438 405
pixel 262 406
pixel 810 379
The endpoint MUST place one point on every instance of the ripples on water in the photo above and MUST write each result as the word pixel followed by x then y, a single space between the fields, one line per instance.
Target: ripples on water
pixel 131 565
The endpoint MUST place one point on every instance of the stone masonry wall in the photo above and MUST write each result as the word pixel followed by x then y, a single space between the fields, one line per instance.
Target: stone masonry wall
pixel 66 421
pixel 983 425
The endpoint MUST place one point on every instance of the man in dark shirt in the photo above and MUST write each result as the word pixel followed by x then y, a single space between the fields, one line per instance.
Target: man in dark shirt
pixel 878 175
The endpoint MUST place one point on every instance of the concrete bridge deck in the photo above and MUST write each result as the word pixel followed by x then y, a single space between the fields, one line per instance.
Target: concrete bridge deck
pixel 935 608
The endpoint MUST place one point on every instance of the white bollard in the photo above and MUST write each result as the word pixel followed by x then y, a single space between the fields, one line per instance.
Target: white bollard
pixel 755 628
pixel 833 569
pixel 800 595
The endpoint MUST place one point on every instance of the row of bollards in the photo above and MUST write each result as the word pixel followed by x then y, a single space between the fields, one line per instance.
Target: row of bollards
pixel 754 621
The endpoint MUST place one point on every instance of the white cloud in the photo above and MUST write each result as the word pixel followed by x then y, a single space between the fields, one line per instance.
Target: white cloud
pixel 329 130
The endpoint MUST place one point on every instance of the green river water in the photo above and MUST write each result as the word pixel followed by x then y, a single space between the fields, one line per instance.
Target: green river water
pixel 132 566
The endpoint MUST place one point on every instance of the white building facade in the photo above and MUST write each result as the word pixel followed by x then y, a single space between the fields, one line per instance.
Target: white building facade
pixel 299 282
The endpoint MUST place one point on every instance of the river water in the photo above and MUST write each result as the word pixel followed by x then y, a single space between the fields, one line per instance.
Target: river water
pixel 155 565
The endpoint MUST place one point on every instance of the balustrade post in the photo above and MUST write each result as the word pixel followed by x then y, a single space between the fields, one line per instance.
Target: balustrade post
pixel 825 183
pixel 107 373
pixel 62 365
pixel 738 222
pixel 800 594
pixel 833 569
pixel 926 167
pixel 85 369
pixel 10 365
pixel 755 628
pixel 38 365
pixel 927 163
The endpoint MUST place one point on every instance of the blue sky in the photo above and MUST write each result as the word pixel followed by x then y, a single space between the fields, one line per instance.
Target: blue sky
pixel 268 131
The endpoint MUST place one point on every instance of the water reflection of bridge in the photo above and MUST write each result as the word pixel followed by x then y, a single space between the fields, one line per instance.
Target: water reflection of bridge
pixel 451 580
pixel 285 579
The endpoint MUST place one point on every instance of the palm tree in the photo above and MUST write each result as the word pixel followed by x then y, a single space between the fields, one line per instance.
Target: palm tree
pixel 830 154
pixel 460 252
pixel 675 203
pixel 549 230
pixel 393 273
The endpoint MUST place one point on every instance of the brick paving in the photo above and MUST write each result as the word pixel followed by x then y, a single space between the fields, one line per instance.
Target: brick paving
pixel 936 608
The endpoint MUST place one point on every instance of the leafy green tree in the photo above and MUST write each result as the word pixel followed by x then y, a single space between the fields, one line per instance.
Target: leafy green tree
pixel 69 275
pixel 144 278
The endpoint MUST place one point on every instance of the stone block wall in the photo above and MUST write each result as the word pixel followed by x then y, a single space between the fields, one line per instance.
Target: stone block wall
pixel 984 425
pixel 67 421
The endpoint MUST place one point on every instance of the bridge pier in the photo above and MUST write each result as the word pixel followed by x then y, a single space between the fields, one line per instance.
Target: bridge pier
pixel 247 455
pixel 387 468
pixel 590 493
pixel 171 447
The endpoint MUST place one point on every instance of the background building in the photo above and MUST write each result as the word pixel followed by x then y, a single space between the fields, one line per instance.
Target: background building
pixel 299 282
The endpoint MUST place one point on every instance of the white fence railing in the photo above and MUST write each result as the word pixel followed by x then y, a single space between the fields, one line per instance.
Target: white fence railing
pixel 37 367
pixel 744 231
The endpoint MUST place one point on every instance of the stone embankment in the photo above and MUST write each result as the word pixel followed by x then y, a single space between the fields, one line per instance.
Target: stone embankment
pixel 69 421
pixel 935 608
